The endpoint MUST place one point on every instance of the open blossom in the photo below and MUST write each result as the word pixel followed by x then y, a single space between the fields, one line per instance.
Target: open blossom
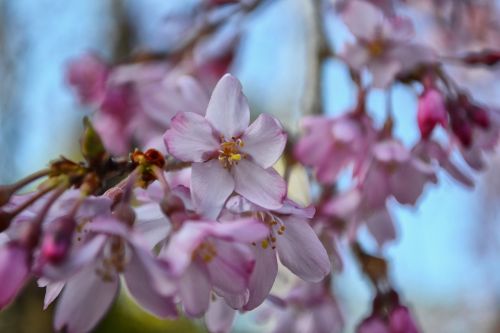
pixel 383 43
pixel 88 294
pixel 292 239
pixel 208 255
pixel 329 145
pixel 227 154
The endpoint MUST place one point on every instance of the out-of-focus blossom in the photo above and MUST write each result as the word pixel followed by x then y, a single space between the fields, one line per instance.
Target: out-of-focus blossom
pixel 329 145
pixel 309 307
pixel 227 154
pixel 14 270
pixel 383 43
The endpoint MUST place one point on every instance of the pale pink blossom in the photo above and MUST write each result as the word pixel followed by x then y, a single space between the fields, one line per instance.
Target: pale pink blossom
pixel 329 145
pixel 227 154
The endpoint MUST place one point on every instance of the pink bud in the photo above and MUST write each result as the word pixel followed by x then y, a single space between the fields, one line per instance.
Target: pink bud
pixel 88 75
pixel 431 111
pixel 57 239
pixel 401 321
pixel 373 324
pixel 479 116
pixel 462 129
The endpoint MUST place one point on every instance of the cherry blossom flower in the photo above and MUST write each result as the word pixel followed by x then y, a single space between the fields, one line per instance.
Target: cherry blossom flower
pixel 292 238
pixel 206 255
pixel 14 270
pixel 88 294
pixel 383 43
pixel 329 145
pixel 227 154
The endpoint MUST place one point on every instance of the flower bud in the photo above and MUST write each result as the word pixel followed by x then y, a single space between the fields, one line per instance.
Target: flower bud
pixel 57 239
pixel 401 321
pixel 479 116
pixel 431 111
pixel 462 129
pixel 91 144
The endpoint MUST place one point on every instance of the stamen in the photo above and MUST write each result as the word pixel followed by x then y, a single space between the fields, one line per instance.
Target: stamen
pixel 229 153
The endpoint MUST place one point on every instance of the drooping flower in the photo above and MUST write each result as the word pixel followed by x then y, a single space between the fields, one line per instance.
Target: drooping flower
pixel 291 238
pixel 90 291
pixel 329 145
pixel 227 154
pixel 14 270
pixel 208 255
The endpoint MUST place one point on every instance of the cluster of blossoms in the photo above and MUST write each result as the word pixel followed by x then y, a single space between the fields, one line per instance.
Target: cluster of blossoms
pixel 196 220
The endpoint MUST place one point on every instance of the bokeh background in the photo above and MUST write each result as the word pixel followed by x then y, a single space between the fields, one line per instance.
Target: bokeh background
pixel 445 262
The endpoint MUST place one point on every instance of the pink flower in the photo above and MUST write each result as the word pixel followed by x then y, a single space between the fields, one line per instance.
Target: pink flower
pixel 382 43
pixel 227 154
pixel 329 145
pixel 431 111
pixel 88 75
pixel 292 238
pixel 112 250
pixel 206 255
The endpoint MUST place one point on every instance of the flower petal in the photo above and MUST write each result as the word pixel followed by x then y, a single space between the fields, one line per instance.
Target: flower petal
pixel 220 316
pixel 263 276
pixel 194 289
pixel 228 108
pixel 301 251
pixel 211 185
pixel 84 301
pixel 230 269
pixel 14 271
pixel 263 187
pixel 244 230
pixel 190 138
pixel 52 290
pixel 381 226
pixel 264 140
pixel 363 19
pixel 140 283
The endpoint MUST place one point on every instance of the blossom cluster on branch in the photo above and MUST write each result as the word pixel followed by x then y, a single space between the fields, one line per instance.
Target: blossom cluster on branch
pixel 195 219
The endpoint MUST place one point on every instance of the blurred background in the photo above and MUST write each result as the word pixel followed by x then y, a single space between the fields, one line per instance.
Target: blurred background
pixel 445 262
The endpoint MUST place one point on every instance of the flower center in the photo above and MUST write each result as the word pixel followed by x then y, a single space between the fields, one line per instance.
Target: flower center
pixel 229 152
pixel 206 252
pixel 276 228
pixel 376 48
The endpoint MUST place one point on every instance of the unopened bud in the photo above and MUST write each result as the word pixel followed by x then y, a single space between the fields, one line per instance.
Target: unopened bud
pixel 462 129
pixel 488 58
pixel 91 144
pixel 479 116
pixel 431 111
pixel 57 239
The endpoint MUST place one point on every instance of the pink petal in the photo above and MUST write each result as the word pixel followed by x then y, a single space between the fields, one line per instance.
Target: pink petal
pixel 52 290
pixel 228 109
pixel 190 138
pixel 244 230
pixel 14 271
pixel 219 317
pixel 408 182
pixel 139 281
pixel 363 19
pixel 356 56
pixel 230 269
pixel 194 289
pixel 384 71
pixel 263 187
pixel 151 224
pixel 84 301
pixel 381 226
pixel 301 251
pixel 211 185
pixel 263 276
pixel 183 243
pixel 78 258
pixel 264 140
